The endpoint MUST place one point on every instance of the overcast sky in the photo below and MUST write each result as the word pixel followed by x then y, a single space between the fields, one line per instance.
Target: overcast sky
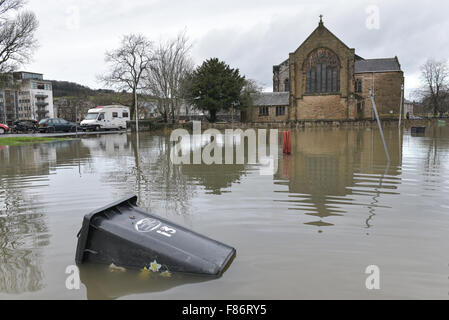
pixel 251 35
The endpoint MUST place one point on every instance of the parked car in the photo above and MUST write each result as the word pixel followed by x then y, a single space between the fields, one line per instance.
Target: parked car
pixel 4 128
pixel 25 125
pixel 56 125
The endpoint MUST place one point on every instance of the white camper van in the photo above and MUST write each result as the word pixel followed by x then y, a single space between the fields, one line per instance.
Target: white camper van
pixel 106 118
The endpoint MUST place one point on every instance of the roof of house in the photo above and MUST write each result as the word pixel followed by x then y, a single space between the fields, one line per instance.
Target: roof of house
pixel 377 65
pixel 271 99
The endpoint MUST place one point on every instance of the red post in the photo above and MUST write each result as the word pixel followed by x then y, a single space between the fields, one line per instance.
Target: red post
pixel 284 138
pixel 286 144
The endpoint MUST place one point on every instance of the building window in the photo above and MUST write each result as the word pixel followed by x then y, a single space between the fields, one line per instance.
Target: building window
pixel 358 85
pixel 287 85
pixel 280 111
pixel 322 69
pixel 115 114
pixel 263 111
pixel 41 86
pixel 125 114
pixel 360 106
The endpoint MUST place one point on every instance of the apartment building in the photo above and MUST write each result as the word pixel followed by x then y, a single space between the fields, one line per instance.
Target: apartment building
pixel 26 96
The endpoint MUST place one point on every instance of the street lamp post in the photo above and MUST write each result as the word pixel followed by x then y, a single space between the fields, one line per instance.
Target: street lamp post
pixel 76 120
pixel 137 111
pixel 401 106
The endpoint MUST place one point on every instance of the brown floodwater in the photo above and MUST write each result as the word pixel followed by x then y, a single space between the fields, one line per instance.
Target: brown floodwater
pixel 333 208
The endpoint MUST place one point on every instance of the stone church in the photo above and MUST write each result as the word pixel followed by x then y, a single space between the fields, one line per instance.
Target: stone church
pixel 324 79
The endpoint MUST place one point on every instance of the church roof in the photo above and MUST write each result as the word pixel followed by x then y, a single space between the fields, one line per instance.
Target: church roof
pixel 377 65
pixel 271 99
pixel 321 28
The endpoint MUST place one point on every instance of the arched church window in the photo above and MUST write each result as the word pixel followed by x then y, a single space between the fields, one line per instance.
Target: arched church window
pixel 322 69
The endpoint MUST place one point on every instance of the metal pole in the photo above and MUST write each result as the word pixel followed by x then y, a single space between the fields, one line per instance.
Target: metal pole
pixel 379 124
pixel 400 113
pixel 76 120
pixel 372 115
pixel 137 111
pixel 4 111
pixel 232 121
pixel 137 118
pixel 4 105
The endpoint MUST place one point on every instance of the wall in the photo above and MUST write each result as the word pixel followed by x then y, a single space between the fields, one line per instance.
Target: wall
pixel 252 115
pixel 387 91
pixel 280 74
pixel 322 106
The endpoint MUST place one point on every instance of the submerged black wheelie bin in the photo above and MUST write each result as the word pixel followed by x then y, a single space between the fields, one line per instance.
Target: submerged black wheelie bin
pixel 123 235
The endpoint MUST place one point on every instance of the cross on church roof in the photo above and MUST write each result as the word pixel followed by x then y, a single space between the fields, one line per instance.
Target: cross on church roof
pixel 321 20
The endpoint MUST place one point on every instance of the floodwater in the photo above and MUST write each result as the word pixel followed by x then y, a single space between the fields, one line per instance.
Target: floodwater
pixel 333 208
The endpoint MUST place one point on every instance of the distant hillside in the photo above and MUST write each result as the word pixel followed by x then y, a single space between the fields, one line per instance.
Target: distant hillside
pixel 71 89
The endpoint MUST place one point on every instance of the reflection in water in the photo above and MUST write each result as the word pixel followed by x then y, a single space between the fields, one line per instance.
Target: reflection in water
pixel 215 178
pixel 330 170
pixel 21 238
pixel 157 180
pixel 336 180
pixel 376 198
pixel 23 230
pixel 147 171
pixel 104 284
pixel 218 178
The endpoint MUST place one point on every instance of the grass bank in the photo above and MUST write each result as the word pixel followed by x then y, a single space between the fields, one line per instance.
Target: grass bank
pixel 19 141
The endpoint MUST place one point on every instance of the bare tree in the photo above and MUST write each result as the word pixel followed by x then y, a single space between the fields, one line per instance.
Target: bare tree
pixel 17 42
pixel 250 89
pixel 128 64
pixel 8 5
pixel 435 77
pixel 171 65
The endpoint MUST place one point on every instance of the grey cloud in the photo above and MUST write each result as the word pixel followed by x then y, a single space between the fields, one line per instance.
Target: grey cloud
pixel 250 35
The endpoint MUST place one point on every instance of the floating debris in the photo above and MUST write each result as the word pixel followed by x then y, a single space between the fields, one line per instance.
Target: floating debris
pixel 154 266
pixel 166 274
pixel 145 273
pixel 114 268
